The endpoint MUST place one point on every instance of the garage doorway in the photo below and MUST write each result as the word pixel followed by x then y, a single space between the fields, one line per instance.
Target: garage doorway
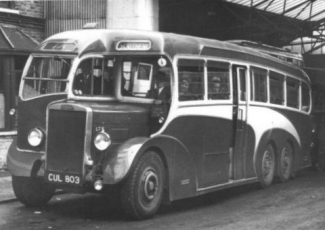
pixel 11 67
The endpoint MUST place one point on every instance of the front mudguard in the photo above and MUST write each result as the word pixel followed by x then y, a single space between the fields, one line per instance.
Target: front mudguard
pixel 21 163
pixel 180 165
pixel 118 163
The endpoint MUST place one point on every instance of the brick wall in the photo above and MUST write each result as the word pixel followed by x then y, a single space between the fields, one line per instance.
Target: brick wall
pixel 30 8
pixel 30 20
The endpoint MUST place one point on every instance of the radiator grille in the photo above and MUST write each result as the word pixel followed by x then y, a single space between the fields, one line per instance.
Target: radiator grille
pixel 65 141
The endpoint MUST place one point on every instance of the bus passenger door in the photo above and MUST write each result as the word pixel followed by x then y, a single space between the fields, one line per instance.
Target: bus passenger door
pixel 240 97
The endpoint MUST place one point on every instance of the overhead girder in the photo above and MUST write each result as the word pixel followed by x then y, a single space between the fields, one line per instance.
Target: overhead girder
pixel 250 19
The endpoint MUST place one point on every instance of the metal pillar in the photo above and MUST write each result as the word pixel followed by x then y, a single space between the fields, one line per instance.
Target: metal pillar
pixel 133 14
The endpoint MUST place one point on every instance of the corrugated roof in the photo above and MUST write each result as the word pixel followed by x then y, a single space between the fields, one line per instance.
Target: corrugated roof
pixel 305 10
pixel 307 20
pixel 14 39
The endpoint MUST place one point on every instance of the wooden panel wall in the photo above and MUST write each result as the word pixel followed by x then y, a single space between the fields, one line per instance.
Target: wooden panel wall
pixel 63 15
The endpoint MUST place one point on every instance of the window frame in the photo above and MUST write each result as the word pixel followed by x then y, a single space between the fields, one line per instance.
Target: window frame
pixel 252 77
pixel 205 99
pixel 27 67
pixel 250 84
pixel 283 80
pixel 298 83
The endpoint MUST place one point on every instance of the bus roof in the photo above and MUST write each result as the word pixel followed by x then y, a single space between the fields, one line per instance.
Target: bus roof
pixel 135 41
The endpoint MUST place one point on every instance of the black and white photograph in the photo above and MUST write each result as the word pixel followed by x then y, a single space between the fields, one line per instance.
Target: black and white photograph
pixel 162 115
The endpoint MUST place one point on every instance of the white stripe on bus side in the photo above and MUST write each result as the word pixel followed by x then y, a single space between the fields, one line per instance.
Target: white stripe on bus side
pixel 219 111
pixel 262 119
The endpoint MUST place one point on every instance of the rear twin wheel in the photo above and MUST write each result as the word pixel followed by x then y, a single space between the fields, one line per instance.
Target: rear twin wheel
pixel 268 164
pixel 285 163
pixel 265 165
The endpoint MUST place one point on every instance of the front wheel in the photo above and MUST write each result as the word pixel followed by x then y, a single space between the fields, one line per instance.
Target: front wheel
pixel 265 166
pixel 142 192
pixel 285 163
pixel 32 191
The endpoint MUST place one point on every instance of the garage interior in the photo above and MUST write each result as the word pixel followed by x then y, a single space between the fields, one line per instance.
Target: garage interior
pixel 293 25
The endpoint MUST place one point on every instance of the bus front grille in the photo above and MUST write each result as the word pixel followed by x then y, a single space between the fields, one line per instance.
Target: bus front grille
pixel 65 141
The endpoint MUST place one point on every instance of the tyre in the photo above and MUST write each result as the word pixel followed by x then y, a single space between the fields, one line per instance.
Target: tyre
pixel 285 163
pixel 265 166
pixel 32 191
pixel 142 192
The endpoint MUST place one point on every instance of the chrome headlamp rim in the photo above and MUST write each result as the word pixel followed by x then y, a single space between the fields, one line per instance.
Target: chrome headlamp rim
pixel 35 137
pixel 102 141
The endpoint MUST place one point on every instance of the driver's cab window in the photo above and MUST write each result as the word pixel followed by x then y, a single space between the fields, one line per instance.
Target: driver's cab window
pixel 148 78
pixel 137 78
pixel 94 77
pixel 143 77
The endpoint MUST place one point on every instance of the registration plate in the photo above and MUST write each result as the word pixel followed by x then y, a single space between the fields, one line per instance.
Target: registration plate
pixel 63 178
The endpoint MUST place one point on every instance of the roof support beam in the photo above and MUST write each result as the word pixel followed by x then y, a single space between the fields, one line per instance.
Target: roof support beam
pixel 270 3
pixel 260 3
pixel 303 9
pixel 320 45
pixel 311 8
pixel 295 7
pixel 6 37
pixel 319 23
pixel 315 15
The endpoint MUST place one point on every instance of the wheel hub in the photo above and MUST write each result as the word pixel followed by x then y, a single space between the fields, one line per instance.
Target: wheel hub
pixel 150 185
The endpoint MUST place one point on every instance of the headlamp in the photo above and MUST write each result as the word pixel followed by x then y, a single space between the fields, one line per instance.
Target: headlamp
pixel 35 137
pixel 102 140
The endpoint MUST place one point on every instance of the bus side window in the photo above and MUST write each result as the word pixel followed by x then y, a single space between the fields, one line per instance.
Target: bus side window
pixel 218 80
pixel 242 84
pixel 305 103
pixel 292 93
pixel 276 88
pixel 258 84
pixel 191 79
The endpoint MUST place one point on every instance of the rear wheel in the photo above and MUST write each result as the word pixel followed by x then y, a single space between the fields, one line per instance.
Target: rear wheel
pixel 265 166
pixel 285 163
pixel 32 191
pixel 142 192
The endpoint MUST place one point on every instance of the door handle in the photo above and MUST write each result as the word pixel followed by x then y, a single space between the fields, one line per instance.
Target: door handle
pixel 240 121
pixel 240 114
